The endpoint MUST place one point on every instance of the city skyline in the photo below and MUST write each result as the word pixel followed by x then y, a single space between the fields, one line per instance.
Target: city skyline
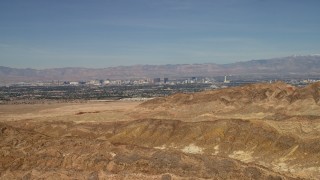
pixel 53 34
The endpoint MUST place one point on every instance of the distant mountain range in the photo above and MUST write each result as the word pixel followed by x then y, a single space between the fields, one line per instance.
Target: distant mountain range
pixel 285 67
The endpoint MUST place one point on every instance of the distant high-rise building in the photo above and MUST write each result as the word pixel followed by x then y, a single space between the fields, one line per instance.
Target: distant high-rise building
pixel 194 80
pixel 225 80
pixel 156 80
pixel 165 80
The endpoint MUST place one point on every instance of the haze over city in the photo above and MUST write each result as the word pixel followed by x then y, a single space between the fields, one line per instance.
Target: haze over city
pixel 48 34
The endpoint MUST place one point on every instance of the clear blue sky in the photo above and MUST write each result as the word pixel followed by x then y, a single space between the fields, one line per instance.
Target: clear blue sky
pixel 103 33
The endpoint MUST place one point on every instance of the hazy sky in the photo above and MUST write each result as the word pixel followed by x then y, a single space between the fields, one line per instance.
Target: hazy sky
pixel 103 33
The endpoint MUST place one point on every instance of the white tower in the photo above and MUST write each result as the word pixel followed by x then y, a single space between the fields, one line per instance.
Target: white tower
pixel 225 80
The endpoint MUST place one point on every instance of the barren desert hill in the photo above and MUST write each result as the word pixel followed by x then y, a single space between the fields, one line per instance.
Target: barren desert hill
pixel 65 146
pixel 32 155
pixel 262 100
pixel 246 94
pixel 257 131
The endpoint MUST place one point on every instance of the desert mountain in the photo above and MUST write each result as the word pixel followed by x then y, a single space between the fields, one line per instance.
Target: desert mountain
pixel 292 66
pixel 274 101
pixel 61 157
pixel 257 131
pixel 275 125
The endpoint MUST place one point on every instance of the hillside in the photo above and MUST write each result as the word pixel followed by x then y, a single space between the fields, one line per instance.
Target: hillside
pixel 257 131
pixel 64 158
pixel 264 101
pixel 275 125
pixel 289 67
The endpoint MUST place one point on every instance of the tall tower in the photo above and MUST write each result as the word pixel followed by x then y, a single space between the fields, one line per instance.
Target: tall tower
pixel 165 80
pixel 225 80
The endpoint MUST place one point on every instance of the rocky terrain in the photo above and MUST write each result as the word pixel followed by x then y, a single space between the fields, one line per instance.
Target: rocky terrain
pixel 277 101
pixel 258 131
